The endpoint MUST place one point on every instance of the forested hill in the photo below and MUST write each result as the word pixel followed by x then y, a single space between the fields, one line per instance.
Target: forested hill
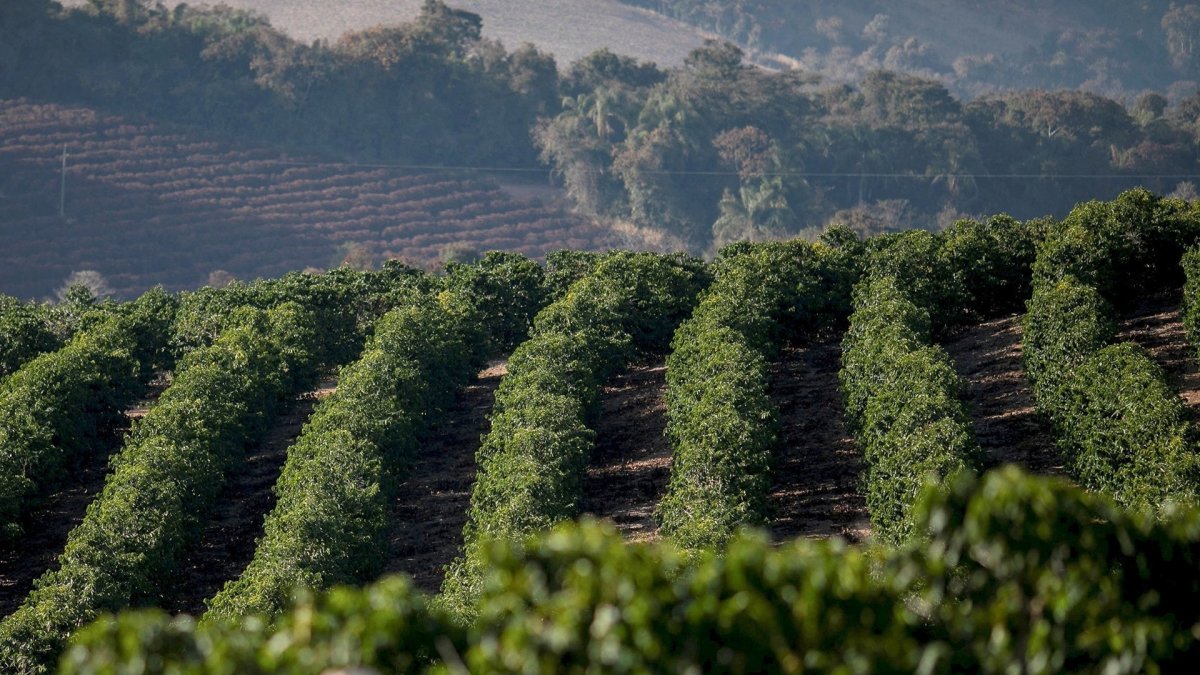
pixel 1114 47
pixel 711 151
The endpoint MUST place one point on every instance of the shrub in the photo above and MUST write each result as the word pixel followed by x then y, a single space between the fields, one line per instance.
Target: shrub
pixel 914 259
pixel 721 422
pixel 991 262
pixel 1119 424
pixel 53 409
pixel 503 291
pixel 1126 433
pixel 903 405
pixel 532 461
pixel 171 469
pixel 1015 574
pixel 1025 574
pixel 1066 323
pixel 334 492
pixel 1191 296
pixel 25 332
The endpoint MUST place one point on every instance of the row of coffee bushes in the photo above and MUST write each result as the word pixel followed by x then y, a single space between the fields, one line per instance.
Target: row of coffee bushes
pixel 902 404
pixel 330 522
pixel 970 271
pixel 168 474
pixel 1017 574
pixel 54 407
pixel 532 461
pixel 721 421
pixel 1191 295
pixel 1125 248
pixel 1119 424
pixel 26 330
pixel 345 302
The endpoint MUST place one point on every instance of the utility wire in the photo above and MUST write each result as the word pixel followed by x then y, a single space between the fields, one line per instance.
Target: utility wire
pixel 772 174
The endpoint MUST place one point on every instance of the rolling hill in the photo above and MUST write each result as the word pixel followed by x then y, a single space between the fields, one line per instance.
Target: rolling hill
pixel 149 205
pixel 568 29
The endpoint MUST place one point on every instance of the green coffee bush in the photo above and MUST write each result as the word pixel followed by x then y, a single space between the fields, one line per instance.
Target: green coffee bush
pixel 1066 322
pixel 386 627
pixel 54 408
pixel 334 491
pixel 721 422
pixel 1023 574
pixel 25 332
pixel 345 302
pixel 1119 424
pixel 1191 296
pixel 1126 433
pixel 169 472
pixel 502 292
pixel 723 430
pixel 1014 574
pixel 903 404
pixel 532 461
pixel 991 263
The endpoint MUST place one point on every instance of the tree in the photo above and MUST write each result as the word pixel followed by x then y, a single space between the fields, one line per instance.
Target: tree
pixel 1182 26
pixel 85 286
pixel 716 59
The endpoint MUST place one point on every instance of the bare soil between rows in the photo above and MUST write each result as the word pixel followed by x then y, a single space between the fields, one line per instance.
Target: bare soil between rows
pixel 631 461
pixel 1157 325
pixel 430 507
pixel 815 477
pixel 233 528
pixel 818 468
pixel 998 392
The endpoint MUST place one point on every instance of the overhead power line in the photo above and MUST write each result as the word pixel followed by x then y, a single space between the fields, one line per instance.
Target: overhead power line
pixel 786 174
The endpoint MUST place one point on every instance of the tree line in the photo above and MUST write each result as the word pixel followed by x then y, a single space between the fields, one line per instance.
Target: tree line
pixel 711 152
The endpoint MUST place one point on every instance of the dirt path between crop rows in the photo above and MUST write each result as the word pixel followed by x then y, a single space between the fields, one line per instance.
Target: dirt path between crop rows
pixel 430 509
pixel 631 463
pixel 1157 325
pixel 231 534
pixel 815 481
pixel 814 491
pixel 988 358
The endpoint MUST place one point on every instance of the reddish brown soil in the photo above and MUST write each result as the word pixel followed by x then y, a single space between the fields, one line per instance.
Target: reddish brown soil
pixel 50 522
pixel 228 541
pixel 631 462
pixel 1009 431
pixel 815 480
pixel 430 509
pixel 1157 325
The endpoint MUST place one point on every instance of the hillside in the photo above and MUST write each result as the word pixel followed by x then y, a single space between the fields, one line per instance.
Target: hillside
pixel 844 392
pixel 1114 48
pixel 149 205
pixel 568 29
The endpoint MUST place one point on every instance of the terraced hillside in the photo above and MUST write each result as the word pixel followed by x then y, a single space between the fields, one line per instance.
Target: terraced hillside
pixel 148 205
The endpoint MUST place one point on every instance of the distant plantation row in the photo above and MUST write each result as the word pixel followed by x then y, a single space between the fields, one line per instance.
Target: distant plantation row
pixel 147 205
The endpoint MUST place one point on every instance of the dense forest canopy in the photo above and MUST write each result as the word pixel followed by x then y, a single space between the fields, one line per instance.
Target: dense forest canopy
pixel 719 151
pixel 713 151
pixel 1113 47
